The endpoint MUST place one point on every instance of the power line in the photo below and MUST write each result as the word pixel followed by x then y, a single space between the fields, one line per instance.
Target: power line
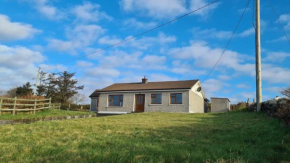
pixel 142 33
pixel 240 20
pixel 274 11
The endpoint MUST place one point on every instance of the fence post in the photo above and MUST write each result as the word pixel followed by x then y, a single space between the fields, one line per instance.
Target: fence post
pixel 59 106
pixel 14 106
pixel 49 103
pixel 34 106
pixel 1 100
pixel 81 107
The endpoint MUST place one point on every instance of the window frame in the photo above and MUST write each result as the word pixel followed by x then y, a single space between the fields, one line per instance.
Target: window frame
pixel 121 100
pixel 155 94
pixel 175 97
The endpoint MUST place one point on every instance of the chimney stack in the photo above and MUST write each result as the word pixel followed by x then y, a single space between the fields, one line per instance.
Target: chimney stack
pixel 144 80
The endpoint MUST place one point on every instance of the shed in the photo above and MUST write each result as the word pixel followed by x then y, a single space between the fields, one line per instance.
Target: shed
pixel 220 105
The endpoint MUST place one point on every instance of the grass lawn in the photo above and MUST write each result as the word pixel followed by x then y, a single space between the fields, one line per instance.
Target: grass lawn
pixel 149 137
pixel 41 114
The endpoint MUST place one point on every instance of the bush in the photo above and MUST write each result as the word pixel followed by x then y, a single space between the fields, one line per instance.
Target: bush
pixel 239 106
pixel 283 112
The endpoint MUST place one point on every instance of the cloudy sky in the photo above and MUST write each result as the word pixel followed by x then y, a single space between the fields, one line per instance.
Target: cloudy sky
pixel 70 35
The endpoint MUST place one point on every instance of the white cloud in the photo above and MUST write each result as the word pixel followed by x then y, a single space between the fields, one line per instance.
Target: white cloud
pixel 161 77
pixel 102 72
pixel 78 37
pixel 216 34
pixel 243 86
pixel 283 38
pixel 146 42
pixel 247 32
pixel 89 12
pixel 285 19
pixel 45 8
pixel 158 9
pixel 224 77
pixel 84 64
pixel 10 31
pixel 211 86
pixel 133 23
pixel 142 43
pixel 64 46
pixel 274 74
pixel 195 4
pixel 276 57
pixel 211 33
pixel 51 67
pixel 107 40
pixel 166 8
pixel 206 57
pixel 274 89
pixel 18 65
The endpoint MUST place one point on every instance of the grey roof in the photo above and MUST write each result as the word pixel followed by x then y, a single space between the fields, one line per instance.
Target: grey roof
pixel 165 85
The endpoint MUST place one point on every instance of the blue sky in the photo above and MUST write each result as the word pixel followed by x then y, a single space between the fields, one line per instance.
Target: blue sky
pixel 55 34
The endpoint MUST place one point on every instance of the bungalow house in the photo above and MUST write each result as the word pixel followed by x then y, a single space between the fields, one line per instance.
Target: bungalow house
pixel 169 96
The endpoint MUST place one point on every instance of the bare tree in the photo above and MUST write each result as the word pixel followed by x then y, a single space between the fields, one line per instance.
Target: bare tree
pixel 78 98
pixel 11 92
pixel 286 92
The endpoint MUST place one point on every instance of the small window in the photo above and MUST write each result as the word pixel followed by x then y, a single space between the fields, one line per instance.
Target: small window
pixel 176 98
pixel 115 100
pixel 156 98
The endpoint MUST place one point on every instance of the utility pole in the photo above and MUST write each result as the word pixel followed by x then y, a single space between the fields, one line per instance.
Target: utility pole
pixel 37 78
pixel 258 58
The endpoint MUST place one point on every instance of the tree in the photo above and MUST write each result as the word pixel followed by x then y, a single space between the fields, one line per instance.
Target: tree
pixel 286 92
pixel 78 98
pixel 59 86
pixel 25 90
pixel 11 92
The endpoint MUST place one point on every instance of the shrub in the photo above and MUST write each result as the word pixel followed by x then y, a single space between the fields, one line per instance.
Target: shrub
pixel 239 106
pixel 283 113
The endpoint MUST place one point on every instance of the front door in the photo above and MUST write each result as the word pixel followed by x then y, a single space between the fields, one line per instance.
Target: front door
pixel 140 101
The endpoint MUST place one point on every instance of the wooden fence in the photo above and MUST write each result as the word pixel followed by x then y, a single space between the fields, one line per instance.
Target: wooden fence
pixel 55 106
pixel 15 105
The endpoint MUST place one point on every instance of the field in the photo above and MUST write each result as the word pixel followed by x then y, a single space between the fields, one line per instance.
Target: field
pixel 41 114
pixel 149 137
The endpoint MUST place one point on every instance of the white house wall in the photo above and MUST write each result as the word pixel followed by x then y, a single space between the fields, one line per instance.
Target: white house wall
pixel 196 102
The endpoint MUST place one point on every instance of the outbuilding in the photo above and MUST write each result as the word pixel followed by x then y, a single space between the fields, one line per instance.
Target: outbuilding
pixel 220 105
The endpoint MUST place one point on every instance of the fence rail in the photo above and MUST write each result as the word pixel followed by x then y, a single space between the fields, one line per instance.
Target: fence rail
pixel 15 105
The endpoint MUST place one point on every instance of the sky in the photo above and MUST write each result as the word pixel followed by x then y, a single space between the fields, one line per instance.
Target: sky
pixel 72 36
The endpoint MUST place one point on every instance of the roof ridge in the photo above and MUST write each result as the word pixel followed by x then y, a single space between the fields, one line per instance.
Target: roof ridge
pixel 159 81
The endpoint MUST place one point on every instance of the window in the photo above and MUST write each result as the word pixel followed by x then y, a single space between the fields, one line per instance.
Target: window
pixel 176 98
pixel 156 98
pixel 115 100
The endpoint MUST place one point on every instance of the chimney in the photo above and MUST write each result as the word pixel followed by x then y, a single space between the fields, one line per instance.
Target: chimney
pixel 144 80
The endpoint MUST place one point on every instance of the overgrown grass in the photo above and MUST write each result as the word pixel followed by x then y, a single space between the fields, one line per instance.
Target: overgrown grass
pixel 41 114
pixel 149 137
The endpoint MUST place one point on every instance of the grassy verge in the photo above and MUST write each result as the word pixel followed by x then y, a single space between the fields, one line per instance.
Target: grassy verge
pixel 149 137
pixel 41 114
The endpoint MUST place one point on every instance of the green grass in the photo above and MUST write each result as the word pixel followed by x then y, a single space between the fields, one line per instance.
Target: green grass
pixel 41 114
pixel 149 137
